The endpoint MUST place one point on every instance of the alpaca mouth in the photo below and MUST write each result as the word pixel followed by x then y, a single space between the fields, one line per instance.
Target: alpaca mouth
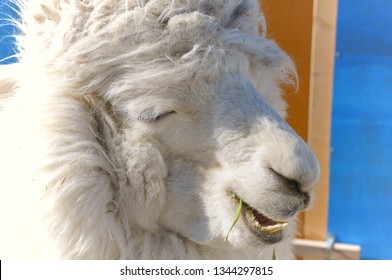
pixel 270 231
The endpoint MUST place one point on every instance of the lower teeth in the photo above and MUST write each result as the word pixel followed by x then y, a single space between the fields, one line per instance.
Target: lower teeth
pixel 268 229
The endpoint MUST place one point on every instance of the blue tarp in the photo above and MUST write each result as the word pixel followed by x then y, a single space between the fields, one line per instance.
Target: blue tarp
pixel 360 210
pixel 7 30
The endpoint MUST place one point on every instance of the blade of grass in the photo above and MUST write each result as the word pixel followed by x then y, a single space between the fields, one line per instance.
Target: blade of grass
pixel 274 254
pixel 237 216
pixel 68 171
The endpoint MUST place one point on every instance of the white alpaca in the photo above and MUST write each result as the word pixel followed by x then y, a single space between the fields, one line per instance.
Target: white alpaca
pixel 137 128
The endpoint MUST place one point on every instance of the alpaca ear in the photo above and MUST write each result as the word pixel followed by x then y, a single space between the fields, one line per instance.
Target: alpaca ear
pixel 138 164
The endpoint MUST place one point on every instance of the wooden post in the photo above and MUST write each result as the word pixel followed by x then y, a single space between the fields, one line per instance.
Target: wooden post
pixel 320 110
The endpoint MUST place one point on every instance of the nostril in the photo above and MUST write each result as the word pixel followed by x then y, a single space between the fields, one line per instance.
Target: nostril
pixel 294 187
pixel 293 184
pixel 306 199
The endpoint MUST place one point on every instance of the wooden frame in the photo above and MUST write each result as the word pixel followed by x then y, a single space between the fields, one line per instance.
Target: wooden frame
pixel 312 249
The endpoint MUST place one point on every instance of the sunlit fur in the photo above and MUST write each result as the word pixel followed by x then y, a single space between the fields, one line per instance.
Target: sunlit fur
pixel 90 171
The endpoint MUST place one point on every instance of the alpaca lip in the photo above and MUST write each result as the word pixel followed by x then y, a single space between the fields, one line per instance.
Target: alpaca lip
pixel 263 227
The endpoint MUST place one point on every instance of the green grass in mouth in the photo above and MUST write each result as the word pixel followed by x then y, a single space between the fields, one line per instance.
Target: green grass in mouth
pixel 237 216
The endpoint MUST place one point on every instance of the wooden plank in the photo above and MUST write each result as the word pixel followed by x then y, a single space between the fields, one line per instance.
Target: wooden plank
pixel 311 249
pixel 289 23
pixel 319 127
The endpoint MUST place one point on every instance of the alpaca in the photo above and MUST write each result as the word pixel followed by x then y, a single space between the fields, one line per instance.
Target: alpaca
pixel 149 129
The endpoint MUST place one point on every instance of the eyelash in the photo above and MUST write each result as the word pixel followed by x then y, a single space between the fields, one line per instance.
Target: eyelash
pixel 151 118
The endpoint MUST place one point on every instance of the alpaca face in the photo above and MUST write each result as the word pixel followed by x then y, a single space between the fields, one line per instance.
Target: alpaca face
pixel 227 148
pixel 204 145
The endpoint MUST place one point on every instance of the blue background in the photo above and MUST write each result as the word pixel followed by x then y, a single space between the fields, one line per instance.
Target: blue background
pixel 7 49
pixel 360 210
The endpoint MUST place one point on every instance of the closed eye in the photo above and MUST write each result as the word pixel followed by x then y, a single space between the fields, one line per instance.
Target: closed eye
pixel 152 116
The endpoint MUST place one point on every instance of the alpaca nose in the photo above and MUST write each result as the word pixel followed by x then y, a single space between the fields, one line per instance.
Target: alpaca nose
pixel 294 163
pixel 296 187
pixel 293 186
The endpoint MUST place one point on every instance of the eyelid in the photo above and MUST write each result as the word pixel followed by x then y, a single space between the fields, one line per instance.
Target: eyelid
pixel 153 116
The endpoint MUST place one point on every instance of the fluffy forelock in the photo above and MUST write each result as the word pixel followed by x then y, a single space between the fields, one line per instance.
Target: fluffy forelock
pixel 121 46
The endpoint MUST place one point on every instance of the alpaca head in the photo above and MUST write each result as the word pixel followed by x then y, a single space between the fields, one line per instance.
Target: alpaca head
pixel 189 111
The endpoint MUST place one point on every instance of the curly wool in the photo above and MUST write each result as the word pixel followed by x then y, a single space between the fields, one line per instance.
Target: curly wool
pixel 87 59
